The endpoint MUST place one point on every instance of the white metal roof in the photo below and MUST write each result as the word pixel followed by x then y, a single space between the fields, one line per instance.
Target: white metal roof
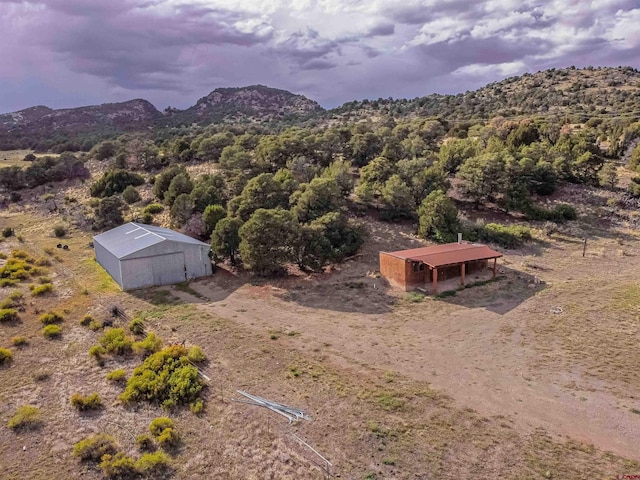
pixel 133 237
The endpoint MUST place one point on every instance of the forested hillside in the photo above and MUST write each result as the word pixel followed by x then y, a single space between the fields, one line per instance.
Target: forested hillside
pixel 296 192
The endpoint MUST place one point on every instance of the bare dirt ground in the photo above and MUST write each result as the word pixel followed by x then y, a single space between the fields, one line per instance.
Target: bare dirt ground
pixel 496 348
pixel 488 383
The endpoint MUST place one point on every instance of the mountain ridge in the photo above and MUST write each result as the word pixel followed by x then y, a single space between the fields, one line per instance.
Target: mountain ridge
pixel 582 93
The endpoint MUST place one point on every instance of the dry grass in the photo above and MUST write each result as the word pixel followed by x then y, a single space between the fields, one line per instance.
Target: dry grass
pixel 352 356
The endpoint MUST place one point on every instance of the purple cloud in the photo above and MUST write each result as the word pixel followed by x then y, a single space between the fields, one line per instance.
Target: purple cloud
pixel 65 53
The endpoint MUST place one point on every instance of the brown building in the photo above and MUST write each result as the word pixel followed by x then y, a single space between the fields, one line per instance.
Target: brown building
pixel 413 268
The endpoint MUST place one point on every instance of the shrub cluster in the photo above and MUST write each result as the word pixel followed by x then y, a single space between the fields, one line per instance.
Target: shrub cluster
pixel 558 214
pixel 103 450
pixel 166 377
pixel 9 315
pixel 92 401
pixel 163 429
pixel 26 417
pixel 136 326
pixel 18 267
pixel 507 236
pixel 151 344
pixel 40 290
pixel 93 448
pixel 19 341
pixel 117 375
pixel 51 318
pixel 116 341
pixel 5 356
pixel 12 301
pixel 52 331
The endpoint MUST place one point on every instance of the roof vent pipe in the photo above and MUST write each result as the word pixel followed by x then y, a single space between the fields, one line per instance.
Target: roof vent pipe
pixel 459 237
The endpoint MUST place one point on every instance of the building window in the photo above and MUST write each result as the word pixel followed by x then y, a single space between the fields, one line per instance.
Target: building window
pixel 418 266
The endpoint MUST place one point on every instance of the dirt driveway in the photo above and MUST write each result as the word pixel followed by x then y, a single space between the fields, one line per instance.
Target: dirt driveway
pixel 495 348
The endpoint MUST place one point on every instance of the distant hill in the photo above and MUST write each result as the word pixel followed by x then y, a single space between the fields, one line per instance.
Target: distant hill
pixel 71 128
pixel 578 93
pixel 584 93
pixel 29 127
pixel 252 103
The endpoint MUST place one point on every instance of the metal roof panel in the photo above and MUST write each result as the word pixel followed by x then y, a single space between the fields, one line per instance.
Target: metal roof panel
pixel 447 254
pixel 133 237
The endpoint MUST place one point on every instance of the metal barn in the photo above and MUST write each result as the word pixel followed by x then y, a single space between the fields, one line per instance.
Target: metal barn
pixel 139 256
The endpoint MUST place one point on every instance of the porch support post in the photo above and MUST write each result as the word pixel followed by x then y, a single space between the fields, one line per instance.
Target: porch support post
pixel 463 270
pixel 495 266
pixel 434 286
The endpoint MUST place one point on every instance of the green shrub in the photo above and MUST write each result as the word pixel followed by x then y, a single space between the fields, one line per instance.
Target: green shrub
pixel 145 443
pixel 97 351
pixel 506 236
pixel 95 325
pixel 19 254
pixel 153 208
pixel 159 425
pixel 16 296
pixel 131 195
pixel 116 341
pixel 136 326
pixel 563 212
pixel 165 377
pixel 59 231
pixel 168 438
pixel 92 448
pixel 86 320
pixel 146 218
pixel 50 318
pixel 52 331
pixel 8 315
pixel 8 282
pixel 151 344
pixel 114 182
pixel 197 406
pixel 118 466
pixel 153 465
pixel 7 232
pixel 26 417
pixel 117 375
pixel 38 291
pixel 90 402
pixel 196 354
pixel 43 262
pixel 5 356
pixel 19 341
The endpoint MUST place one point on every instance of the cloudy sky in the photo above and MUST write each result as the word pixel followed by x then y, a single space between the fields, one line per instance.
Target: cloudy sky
pixel 65 53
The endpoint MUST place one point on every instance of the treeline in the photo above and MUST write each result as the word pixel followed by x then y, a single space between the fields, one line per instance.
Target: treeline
pixel 310 173
pixel 43 170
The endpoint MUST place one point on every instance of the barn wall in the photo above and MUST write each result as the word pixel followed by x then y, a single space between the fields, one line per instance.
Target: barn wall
pixel 165 263
pixel 137 273
pixel 400 272
pixel 109 262
pixel 393 269
pixel 197 261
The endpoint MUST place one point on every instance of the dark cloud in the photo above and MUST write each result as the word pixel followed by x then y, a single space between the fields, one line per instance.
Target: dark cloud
pixel 382 29
pixel 173 52
pixel 318 64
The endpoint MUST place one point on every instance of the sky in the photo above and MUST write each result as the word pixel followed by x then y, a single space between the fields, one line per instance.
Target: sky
pixel 69 53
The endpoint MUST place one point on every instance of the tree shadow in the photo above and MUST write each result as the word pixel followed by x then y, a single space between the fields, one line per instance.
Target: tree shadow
pixel 367 295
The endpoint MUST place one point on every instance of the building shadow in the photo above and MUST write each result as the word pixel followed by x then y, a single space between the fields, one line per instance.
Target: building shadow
pixel 214 288
pixel 500 295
